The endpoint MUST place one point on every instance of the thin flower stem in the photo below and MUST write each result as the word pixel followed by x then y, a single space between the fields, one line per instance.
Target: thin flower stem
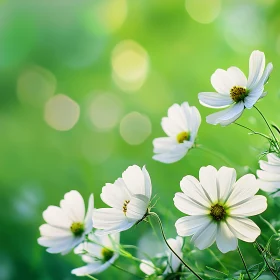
pixel 266 262
pixel 217 259
pixel 253 132
pixel 91 277
pixel 126 271
pixel 244 263
pixel 216 154
pixel 267 125
pixel 164 237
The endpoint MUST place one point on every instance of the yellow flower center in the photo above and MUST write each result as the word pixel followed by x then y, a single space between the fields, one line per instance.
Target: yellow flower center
pixel 77 229
pixel 238 93
pixel 106 254
pixel 218 212
pixel 182 136
pixel 125 206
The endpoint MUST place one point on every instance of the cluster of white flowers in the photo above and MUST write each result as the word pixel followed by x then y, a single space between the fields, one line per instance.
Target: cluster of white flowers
pixel 217 205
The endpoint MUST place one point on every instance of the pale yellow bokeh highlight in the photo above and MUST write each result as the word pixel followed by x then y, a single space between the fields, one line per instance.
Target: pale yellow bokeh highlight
pixel 61 112
pixel 135 128
pixel 203 11
pixel 130 65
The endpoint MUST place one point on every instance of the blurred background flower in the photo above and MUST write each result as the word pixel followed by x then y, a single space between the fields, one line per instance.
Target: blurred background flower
pixel 84 85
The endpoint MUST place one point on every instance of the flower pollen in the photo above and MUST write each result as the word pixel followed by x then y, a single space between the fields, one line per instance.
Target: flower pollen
pixel 238 93
pixel 106 254
pixel 218 212
pixel 77 228
pixel 125 206
pixel 183 136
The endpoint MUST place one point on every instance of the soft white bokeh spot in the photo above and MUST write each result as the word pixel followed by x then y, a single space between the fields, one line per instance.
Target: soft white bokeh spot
pixel 61 112
pixel 104 110
pixel 35 86
pixel 203 11
pixel 130 65
pixel 106 16
pixel 135 128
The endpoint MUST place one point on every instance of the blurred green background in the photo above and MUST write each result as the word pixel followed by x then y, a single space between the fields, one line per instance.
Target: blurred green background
pixel 83 87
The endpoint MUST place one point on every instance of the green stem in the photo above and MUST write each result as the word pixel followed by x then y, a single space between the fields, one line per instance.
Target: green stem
pixel 165 240
pixel 126 271
pixel 91 277
pixel 244 263
pixel 266 262
pixel 218 155
pixel 267 125
pixel 218 260
pixel 253 132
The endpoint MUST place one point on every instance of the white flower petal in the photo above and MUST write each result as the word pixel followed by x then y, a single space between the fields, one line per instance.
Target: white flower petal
pixel 115 194
pixel 268 186
pixel 118 228
pixel 195 121
pixel 254 206
pixel 273 158
pixel 148 183
pixel 214 99
pixel 267 176
pixel 188 206
pixel 171 127
pixel 88 218
pixel 256 68
pixel 227 116
pixel 253 97
pixel 55 241
pixel 176 114
pixel 269 167
pixel 222 82
pixel 189 225
pixel 173 261
pixel 134 180
pixel 226 178
pixel 175 154
pixel 245 188
pixel 87 269
pixel 54 216
pixel 243 228
pixel 164 144
pixel 137 207
pixel 147 267
pixel 206 236
pixel 237 76
pixel 208 180
pixel 50 231
pixel 74 206
pixel 106 218
pixel 226 241
pixel 194 191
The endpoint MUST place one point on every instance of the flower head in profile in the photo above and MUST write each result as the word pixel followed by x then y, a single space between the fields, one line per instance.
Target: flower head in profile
pixel 269 175
pixel 217 207
pixel 67 225
pixel 181 126
pixel 129 199
pixel 99 252
pixel 235 91
pixel 172 265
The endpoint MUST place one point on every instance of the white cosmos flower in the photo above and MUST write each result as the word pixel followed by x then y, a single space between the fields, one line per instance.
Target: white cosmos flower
pixel 181 126
pixel 218 207
pixel 66 225
pixel 234 90
pixel 99 252
pixel 269 176
pixel 129 198
pixel 173 263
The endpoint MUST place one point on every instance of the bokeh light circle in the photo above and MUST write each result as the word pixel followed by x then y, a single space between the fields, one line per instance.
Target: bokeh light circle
pixel 203 11
pixel 106 16
pixel 105 110
pixel 61 112
pixel 130 65
pixel 35 86
pixel 135 128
